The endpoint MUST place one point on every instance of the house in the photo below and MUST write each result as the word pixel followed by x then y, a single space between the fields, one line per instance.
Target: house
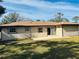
pixel 38 29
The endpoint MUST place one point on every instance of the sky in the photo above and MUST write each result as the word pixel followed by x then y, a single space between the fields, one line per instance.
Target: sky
pixel 42 9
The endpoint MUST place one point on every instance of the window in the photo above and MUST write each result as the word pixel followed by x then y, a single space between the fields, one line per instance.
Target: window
pixel 12 29
pixel 40 29
pixel 27 29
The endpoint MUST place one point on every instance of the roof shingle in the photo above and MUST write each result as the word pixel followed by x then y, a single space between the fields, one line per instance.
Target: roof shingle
pixel 39 23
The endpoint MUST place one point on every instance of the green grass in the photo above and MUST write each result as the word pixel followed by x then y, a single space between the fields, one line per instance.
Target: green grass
pixel 67 39
pixel 66 48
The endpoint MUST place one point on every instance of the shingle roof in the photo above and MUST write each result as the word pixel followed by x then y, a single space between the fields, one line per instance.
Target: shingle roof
pixel 39 23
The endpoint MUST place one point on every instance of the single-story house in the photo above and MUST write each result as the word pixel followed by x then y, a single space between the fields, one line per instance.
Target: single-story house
pixel 38 29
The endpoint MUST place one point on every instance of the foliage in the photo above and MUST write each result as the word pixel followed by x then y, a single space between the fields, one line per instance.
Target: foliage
pixel 76 19
pixel 39 20
pixel 0 0
pixel 2 10
pixel 12 17
pixel 59 18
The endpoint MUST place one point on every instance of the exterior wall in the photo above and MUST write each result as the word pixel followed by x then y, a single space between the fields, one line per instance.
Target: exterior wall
pixel 0 35
pixel 78 30
pixel 35 32
pixel 21 33
pixel 59 31
pixel 70 31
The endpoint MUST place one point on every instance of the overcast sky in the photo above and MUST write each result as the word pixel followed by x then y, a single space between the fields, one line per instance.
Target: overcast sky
pixel 42 9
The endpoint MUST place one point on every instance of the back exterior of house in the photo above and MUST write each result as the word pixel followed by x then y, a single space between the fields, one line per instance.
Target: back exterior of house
pixel 21 30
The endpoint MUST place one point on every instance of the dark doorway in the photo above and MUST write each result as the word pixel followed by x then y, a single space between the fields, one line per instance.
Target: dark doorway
pixel 48 31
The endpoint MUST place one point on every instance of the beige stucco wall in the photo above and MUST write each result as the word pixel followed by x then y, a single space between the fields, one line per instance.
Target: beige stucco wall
pixel 70 31
pixel 35 32
pixel 59 31
pixel 21 33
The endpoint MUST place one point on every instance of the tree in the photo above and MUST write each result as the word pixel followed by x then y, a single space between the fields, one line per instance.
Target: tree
pixel 75 19
pixel 0 0
pixel 59 18
pixel 2 9
pixel 12 17
pixel 38 20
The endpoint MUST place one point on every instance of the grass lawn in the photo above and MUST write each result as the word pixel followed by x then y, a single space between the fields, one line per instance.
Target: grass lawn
pixel 66 48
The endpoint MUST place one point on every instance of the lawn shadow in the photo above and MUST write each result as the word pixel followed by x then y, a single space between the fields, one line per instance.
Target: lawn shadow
pixel 57 50
pixel 13 41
